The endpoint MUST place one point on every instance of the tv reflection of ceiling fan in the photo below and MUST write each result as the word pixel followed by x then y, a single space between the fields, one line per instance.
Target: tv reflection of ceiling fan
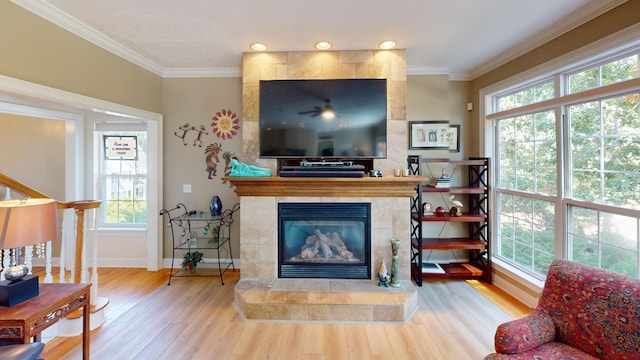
pixel 325 111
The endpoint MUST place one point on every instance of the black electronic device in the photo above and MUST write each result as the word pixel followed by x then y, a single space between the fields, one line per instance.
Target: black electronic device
pixel 323 169
pixel 322 174
pixel 311 166
pixel 330 119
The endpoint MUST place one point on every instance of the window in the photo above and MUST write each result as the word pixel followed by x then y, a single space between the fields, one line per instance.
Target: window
pixel 567 180
pixel 124 183
pixel 605 151
pixel 609 73
pixel 530 95
pixel 605 240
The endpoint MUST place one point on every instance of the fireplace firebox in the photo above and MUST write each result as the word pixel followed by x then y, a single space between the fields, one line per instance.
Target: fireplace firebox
pixel 324 240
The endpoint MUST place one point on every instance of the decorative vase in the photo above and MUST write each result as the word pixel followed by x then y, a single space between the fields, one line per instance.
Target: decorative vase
pixel 395 265
pixel 215 206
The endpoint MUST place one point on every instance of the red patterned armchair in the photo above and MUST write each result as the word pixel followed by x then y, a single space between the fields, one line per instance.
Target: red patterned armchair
pixel 583 313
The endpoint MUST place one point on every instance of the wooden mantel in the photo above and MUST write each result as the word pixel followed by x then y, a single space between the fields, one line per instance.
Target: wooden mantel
pixel 386 186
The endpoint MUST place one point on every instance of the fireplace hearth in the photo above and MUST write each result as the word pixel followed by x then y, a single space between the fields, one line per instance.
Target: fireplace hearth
pixel 324 240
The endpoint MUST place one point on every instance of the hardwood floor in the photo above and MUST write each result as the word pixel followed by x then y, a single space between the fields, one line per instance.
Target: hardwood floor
pixel 194 318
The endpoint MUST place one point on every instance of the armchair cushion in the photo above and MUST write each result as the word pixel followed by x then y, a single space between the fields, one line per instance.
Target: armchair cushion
pixel 525 334
pixel 594 313
pixel 548 351
pixel 594 310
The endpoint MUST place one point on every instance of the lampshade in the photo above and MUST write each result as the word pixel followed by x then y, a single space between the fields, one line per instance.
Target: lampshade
pixel 27 222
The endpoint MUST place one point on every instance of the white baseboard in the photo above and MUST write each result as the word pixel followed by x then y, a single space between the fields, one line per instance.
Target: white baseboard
pixel 139 262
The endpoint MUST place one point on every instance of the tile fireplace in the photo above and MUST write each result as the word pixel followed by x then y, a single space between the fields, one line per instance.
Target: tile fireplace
pixel 263 294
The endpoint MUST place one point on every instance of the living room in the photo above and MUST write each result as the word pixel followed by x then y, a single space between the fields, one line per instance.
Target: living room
pixel 44 55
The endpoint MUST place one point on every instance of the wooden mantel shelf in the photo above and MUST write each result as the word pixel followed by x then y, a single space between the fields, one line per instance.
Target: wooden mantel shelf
pixel 386 186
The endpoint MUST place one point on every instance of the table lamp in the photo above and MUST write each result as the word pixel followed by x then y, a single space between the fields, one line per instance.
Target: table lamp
pixel 23 223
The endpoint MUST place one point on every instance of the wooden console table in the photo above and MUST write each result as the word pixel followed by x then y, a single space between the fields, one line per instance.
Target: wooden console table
pixel 23 321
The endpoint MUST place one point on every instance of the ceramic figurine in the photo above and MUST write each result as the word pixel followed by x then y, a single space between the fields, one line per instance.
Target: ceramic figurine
pixel 240 169
pixel 456 210
pixel 383 275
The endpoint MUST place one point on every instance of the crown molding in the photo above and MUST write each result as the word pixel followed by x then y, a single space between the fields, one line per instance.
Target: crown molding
pixel 582 16
pixel 50 13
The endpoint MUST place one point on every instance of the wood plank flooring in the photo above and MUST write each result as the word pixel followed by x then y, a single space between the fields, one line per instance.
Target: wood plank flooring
pixel 194 318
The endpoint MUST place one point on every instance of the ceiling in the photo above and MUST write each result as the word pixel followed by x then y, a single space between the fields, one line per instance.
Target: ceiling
pixel 461 38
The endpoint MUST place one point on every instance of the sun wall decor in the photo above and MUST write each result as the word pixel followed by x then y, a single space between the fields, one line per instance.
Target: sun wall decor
pixel 225 124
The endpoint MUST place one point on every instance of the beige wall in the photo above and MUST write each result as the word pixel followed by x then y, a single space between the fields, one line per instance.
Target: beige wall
pixel 33 152
pixel 38 51
pixel 196 101
pixel 435 97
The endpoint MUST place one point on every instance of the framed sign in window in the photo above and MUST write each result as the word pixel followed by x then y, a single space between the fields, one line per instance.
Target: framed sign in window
pixel 429 135
pixel 121 147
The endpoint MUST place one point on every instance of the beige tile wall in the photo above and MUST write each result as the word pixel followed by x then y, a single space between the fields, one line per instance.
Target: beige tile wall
pixel 389 64
pixel 390 216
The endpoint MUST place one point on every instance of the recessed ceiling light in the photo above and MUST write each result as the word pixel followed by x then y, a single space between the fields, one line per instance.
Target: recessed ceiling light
pixel 258 47
pixel 388 44
pixel 323 45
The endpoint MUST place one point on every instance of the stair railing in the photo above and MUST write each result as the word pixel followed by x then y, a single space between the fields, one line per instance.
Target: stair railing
pixel 80 207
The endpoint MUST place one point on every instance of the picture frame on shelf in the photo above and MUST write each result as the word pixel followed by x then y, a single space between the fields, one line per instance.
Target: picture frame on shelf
pixel 429 135
pixel 454 138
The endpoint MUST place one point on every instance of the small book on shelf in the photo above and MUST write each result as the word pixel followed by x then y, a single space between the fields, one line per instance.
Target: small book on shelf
pixel 439 182
pixel 432 268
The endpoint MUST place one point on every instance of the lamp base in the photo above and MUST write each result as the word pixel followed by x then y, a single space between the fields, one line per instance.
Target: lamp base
pixel 17 291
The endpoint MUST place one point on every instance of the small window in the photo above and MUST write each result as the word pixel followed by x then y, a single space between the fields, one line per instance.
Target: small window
pixel 529 95
pixel 606 74
pixel 124 178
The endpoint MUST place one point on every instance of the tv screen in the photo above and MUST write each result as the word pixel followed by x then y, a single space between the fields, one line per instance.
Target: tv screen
pixel 328 119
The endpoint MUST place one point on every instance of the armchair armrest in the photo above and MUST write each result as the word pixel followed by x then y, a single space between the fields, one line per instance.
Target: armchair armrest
pixel 525 334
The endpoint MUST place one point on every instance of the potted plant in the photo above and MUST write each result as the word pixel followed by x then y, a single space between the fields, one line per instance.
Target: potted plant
pixel 190 261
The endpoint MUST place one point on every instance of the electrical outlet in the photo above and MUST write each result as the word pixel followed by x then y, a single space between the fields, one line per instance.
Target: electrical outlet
pixel 186 188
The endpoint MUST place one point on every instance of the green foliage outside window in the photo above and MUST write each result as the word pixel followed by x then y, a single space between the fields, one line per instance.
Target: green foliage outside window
pixel 605 151
pixel 602 174
pixel 613 72
pixel 126 211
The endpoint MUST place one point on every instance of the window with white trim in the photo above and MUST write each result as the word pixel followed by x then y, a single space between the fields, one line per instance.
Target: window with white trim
pixel 123 180
pixel 567 159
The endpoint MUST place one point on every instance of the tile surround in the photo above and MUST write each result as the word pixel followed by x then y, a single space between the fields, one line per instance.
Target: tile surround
pixel 260 294
pixel 324 300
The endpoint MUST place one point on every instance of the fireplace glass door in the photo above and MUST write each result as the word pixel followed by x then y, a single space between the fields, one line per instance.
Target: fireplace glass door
pixel 324 240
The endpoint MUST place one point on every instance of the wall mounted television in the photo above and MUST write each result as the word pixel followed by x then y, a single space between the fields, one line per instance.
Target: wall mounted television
pixel 295 119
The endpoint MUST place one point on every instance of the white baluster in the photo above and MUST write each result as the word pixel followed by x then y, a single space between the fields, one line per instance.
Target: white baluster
pixel 63 247
pixel 48 254
pixel 28 258
pixel 94 272
pixel 6 260
pixel 72 245
pixel 85 229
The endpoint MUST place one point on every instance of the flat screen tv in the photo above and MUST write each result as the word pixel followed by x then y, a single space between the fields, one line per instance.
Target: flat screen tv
pixel 323 119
